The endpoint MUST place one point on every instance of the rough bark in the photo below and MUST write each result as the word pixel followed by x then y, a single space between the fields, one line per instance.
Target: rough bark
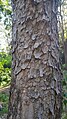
pixel 35 91
pixel 65 51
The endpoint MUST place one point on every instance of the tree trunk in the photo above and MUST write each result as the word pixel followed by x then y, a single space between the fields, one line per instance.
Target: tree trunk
pixel 65 52
pixel 35 91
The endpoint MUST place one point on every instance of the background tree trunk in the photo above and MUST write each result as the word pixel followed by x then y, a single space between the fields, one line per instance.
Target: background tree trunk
pixel 65 52
pixel 35 91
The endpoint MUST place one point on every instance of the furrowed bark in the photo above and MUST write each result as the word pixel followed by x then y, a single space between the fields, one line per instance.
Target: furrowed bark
pixel 35 91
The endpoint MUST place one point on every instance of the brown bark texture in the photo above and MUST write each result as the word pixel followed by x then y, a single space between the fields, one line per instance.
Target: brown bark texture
pixel 35 91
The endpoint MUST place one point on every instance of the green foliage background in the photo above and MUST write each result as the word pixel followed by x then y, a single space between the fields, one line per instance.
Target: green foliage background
pixel 5 68
pixel 5 13
pixel 64 91
pixel 4 99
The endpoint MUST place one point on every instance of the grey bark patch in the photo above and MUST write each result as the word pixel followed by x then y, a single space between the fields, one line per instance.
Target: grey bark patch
pixel 36 45
pixel 37 55
pixel 33 36
pixel 24 66
pixel 30 114
pixel 45 49
pixel 34 94
pixel 41 72
pixel 40 111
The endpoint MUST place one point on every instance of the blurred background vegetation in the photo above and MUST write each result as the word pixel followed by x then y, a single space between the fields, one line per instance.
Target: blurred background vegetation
pixel 5 52
pixel 5 68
